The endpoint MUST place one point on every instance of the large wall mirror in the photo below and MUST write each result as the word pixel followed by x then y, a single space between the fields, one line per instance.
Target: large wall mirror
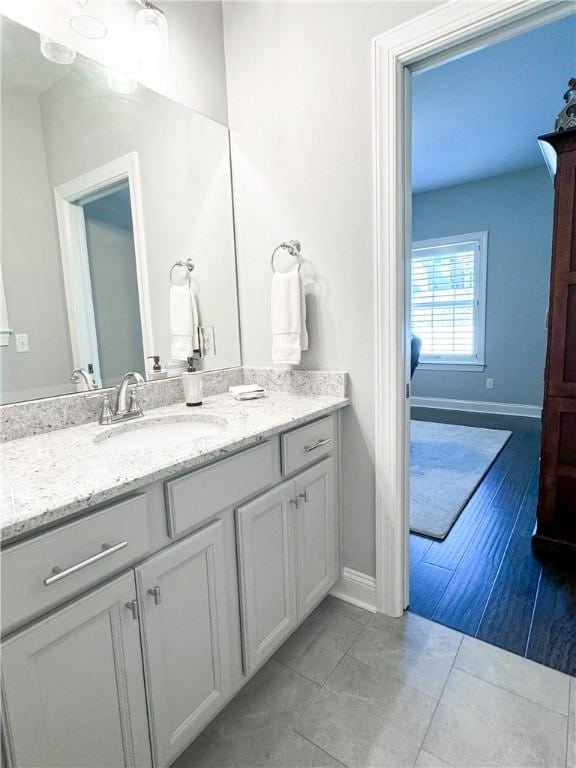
pixel 105 187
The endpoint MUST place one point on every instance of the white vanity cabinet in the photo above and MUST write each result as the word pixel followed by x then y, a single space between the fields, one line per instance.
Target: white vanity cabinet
pixel 288 558
pixel 194 583
pixel 185 640
pixel 73 685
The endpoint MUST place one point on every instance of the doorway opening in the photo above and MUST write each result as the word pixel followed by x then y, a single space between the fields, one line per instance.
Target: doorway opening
pixel 476 466
pixel 104 266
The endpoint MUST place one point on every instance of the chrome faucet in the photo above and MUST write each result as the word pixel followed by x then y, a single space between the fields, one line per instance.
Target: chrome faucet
pixel 81 374
pixel 123 411
pixel 122 407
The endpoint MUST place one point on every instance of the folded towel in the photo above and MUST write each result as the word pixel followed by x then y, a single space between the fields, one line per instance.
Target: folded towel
pixel 288 317
pixel 247 392
pixel 183 321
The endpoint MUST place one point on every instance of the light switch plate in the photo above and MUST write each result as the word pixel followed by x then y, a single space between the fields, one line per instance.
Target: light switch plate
pixel 22 343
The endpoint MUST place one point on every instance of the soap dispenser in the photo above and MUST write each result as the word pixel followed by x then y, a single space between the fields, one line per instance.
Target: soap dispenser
pixel 156 372
pixel 192 384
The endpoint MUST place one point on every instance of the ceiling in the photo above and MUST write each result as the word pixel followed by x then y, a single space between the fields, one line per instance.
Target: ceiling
pixel 480 115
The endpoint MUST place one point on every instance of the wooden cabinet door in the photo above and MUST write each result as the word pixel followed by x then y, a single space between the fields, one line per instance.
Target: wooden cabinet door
pixel 185 638
pixel 267 580
pixel 316 535
pixel 73 685
pixel 561 355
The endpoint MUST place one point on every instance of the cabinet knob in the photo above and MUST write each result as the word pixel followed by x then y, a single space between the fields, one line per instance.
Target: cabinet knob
pixel 155 592
pixel 132 606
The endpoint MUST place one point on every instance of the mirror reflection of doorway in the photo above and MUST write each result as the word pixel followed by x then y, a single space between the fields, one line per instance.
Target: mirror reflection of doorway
pixel 113 283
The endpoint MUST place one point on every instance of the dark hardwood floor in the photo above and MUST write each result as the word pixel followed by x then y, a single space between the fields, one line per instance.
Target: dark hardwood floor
pixel 483 579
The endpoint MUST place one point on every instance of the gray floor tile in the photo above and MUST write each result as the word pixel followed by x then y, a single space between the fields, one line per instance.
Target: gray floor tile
pixel 412 649
pixel 480 724
pixel 526 678
pixel 319 643
pixel 296 752
pixel 571 762
pixel 367 718
pixel 293 751
pixel 360 615
pixel 254 723
pixel 426 760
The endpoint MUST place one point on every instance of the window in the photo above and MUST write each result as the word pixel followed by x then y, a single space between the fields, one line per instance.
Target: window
pixel 448 303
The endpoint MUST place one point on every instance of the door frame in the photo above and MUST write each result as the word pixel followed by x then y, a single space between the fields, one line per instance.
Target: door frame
pixel 74 253
pixel 443 33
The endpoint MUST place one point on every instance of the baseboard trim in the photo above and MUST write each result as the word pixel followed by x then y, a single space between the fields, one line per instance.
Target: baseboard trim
pixel 356 588
pixel 478 406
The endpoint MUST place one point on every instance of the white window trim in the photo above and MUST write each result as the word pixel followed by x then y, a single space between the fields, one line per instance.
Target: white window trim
pixel 481 269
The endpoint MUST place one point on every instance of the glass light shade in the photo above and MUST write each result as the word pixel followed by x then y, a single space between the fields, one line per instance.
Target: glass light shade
pixel 56 52
pixel 88 26
pixel 121 83
pixel 153 47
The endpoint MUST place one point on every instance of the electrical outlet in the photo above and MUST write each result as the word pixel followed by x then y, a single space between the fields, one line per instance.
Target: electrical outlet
pixel 22 343
pixel 489 383
pixel 207 340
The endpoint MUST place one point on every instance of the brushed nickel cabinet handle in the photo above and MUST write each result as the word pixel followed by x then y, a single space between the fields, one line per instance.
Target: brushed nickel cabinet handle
pixel 304 497
pixel 319 444
pixel 155 593
pixel 132 606
pixel 61 573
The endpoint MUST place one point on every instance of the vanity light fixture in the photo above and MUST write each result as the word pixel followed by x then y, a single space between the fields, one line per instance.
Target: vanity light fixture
pixel 152 35
pixel 55 51
pixel 84 24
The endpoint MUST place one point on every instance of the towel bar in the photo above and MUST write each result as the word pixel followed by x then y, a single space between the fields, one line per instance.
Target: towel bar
pixel 293 247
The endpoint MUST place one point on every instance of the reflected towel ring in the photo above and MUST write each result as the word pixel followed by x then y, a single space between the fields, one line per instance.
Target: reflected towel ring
pixel 293 247
pixel 188 264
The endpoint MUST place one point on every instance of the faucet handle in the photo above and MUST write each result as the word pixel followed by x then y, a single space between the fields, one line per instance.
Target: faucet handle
pixel 135 404
pixel 106 410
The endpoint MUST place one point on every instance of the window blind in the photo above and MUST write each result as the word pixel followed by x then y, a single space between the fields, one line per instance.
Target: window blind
pixel 444 301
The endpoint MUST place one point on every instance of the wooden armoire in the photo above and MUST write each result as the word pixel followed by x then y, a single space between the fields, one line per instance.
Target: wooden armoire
pixel 556 518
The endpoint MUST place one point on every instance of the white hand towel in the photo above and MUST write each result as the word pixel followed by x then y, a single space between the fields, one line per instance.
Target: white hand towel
pixel 288 317
pixel 183 321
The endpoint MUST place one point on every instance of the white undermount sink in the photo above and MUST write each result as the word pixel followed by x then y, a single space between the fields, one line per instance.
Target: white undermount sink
pixel 161 432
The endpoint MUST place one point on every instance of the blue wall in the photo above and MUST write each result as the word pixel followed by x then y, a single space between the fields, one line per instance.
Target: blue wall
pixel 516 209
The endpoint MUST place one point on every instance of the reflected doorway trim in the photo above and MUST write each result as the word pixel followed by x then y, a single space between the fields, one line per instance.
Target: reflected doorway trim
pixel 72 231
pixel 447 32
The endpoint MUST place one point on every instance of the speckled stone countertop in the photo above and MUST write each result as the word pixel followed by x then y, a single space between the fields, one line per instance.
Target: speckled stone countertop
pixel 50 476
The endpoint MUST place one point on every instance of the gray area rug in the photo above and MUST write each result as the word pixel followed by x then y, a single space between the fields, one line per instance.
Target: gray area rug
pixel 447 463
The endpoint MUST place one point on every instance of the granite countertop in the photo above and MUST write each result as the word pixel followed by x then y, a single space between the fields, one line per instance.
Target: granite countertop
pixel 50 476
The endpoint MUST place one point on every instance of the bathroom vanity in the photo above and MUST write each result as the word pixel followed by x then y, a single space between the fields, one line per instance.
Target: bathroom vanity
pixel 143 586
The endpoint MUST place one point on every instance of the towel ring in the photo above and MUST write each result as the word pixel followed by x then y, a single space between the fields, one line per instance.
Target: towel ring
pixel 188 264
pixel 293 247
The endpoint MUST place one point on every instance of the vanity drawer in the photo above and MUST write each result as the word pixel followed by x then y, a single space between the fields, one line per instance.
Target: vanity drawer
pixel 307 444
pixel 54 566
pixel 192 499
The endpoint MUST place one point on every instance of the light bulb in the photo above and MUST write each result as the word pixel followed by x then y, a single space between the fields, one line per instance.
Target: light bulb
pixel 55 51
pixel 153 47
pixel 121 83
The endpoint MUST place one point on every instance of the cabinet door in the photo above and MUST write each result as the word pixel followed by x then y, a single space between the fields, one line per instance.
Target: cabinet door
pixel 185 638
pixel 267 578
pixel 316 535
pixel 74 688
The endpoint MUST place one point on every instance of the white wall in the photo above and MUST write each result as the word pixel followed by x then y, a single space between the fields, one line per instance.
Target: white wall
pixel 31 265
pixel 197 75
pixel 300 112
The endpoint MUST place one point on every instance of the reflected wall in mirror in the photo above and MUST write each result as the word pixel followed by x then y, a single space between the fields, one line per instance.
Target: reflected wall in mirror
pixel 102 193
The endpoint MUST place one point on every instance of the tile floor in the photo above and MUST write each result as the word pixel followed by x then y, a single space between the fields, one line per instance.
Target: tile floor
pixel 354 689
